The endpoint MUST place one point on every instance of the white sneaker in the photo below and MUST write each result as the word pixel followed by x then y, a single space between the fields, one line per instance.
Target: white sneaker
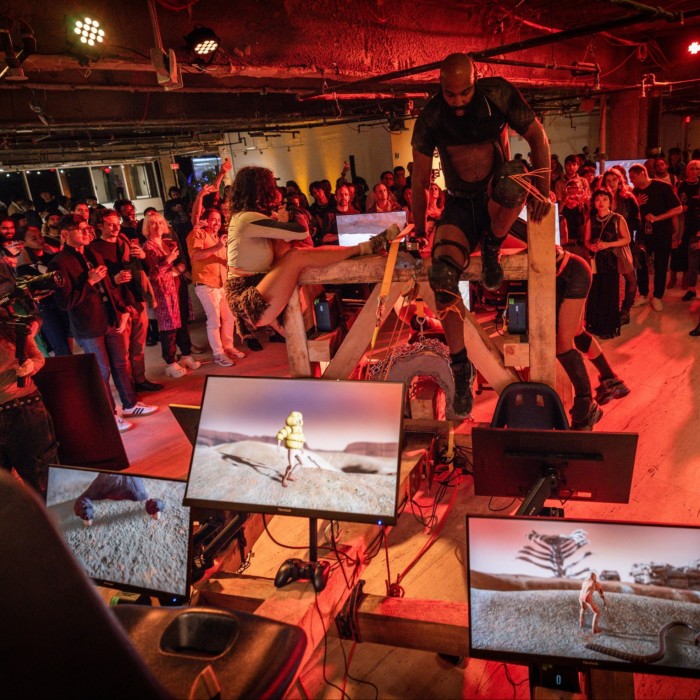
pixel 656 304
pixel 123 425
pixel 190 362
pixel 640 301
pixel 175 370
pixel 234 353
pixel 223 361
pixel 139 409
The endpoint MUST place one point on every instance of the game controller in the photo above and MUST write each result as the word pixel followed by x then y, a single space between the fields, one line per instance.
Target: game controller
pixel 298 569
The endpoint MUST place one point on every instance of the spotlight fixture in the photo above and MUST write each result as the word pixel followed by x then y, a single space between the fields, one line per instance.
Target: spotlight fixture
pixel 89 31
pixel 202 41
pixel 694 48
pixel 88 38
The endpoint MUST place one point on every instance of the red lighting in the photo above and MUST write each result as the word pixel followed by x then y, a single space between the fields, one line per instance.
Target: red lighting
pixel 175 166
pixel 686 119
pixel 694 48
pixel 108 170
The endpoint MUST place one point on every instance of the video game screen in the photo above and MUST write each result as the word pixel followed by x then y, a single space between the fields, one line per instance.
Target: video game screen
pixel 130 532
pixel 617 595
pixel 308 447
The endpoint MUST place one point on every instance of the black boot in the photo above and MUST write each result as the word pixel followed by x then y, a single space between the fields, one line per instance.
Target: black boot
pixel 491 270
pixel 464 374
pixel 152 335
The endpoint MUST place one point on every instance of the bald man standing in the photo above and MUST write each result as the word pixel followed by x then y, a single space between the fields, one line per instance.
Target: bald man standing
pixel 468 123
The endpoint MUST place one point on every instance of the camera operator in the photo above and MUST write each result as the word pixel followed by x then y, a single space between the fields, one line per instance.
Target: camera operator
pixel 27 439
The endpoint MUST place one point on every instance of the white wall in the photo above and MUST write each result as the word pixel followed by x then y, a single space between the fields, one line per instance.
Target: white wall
pixel 314 154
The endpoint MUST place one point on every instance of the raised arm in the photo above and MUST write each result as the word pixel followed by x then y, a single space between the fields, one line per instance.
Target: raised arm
pixel 539 148
pixel 209 189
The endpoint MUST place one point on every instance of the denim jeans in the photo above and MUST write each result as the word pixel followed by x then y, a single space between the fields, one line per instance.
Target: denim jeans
pixel 55 328
pixel 110 352
pixel 28 443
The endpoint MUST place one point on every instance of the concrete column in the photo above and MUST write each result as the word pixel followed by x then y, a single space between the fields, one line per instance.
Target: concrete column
pixel 627 126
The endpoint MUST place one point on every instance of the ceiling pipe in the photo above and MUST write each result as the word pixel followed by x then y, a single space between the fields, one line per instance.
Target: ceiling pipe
pixel 534 42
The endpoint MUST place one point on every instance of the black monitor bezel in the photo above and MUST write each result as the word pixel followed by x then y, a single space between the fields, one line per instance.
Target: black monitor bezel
pixel 305 513
pixel 581 664
pixel 170 596
pixel 493 477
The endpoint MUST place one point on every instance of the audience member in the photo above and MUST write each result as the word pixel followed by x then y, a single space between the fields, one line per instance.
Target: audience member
pixel 166 267
pixel 98 317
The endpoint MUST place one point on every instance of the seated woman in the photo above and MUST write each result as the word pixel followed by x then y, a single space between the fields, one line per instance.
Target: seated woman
pixel 165 268
pixel 263 268
pixel 605 231
pixel 572 285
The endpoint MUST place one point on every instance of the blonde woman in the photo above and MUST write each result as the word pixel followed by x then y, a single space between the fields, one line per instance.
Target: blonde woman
pixel 165 269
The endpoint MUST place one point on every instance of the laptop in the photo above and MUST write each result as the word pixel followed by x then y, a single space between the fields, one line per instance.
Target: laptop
pixel 357 228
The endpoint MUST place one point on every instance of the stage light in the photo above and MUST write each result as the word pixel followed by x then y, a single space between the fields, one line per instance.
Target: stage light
pixel 87 38
pixel 202 41
pixel 89 31
pixel 694 48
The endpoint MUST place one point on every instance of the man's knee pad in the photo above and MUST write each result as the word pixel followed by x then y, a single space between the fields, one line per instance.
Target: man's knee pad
pixel 583 341
pixel 507 191
pixel 444 276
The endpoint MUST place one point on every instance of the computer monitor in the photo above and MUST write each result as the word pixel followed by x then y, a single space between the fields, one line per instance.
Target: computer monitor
pixel 526 577
pixel 130 532
pixel 307 447
pixel 357 228
pixel 573 465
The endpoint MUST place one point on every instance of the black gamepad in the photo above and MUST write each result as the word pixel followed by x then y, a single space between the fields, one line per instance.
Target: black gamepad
pixel 298 569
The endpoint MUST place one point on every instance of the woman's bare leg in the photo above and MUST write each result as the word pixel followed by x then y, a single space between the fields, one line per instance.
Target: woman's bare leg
pixel 569 323
pixel 279 283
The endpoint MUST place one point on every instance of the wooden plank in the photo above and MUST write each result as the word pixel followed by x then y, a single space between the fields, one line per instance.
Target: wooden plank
pixel 295 330
pixel 431 625
pixel 370 268
pixel 358 339
pixel 541 309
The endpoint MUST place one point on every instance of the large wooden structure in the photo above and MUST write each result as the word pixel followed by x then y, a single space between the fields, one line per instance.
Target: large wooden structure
pixel 536 265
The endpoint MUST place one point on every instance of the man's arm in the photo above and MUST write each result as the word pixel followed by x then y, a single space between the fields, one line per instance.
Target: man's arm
pixel 420 182
pixel 539 148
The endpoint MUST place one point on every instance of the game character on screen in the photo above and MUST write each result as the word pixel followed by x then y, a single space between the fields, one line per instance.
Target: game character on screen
pixel 293 436
pixel 115 487
pixel 585 599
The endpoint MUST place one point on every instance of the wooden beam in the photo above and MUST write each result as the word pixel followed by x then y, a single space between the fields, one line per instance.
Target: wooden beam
pixel 541 309
pixel 295 330
pixel 360 334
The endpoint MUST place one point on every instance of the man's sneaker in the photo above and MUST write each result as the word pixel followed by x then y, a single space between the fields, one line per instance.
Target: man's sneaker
pixel 123 425
pixel 689 295
pixel 640 301
pixel 139 409
pixel 234 353
pixel 464 374
pixel 585 420
pixel 624 317
pixel 657 304
pixel 491 270
pixel 609 389
pixel 223 361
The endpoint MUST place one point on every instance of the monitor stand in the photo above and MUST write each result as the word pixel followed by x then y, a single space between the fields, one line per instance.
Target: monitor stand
pixel 541 490
pixel 297 569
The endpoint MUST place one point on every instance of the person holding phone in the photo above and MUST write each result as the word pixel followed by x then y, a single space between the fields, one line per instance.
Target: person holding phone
pixel 165 270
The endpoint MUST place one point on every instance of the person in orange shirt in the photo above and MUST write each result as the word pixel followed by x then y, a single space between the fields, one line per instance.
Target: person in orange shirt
pixel 206 244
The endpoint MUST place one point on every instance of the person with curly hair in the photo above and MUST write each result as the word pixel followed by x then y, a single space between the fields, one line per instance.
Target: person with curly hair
pixel 263 266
